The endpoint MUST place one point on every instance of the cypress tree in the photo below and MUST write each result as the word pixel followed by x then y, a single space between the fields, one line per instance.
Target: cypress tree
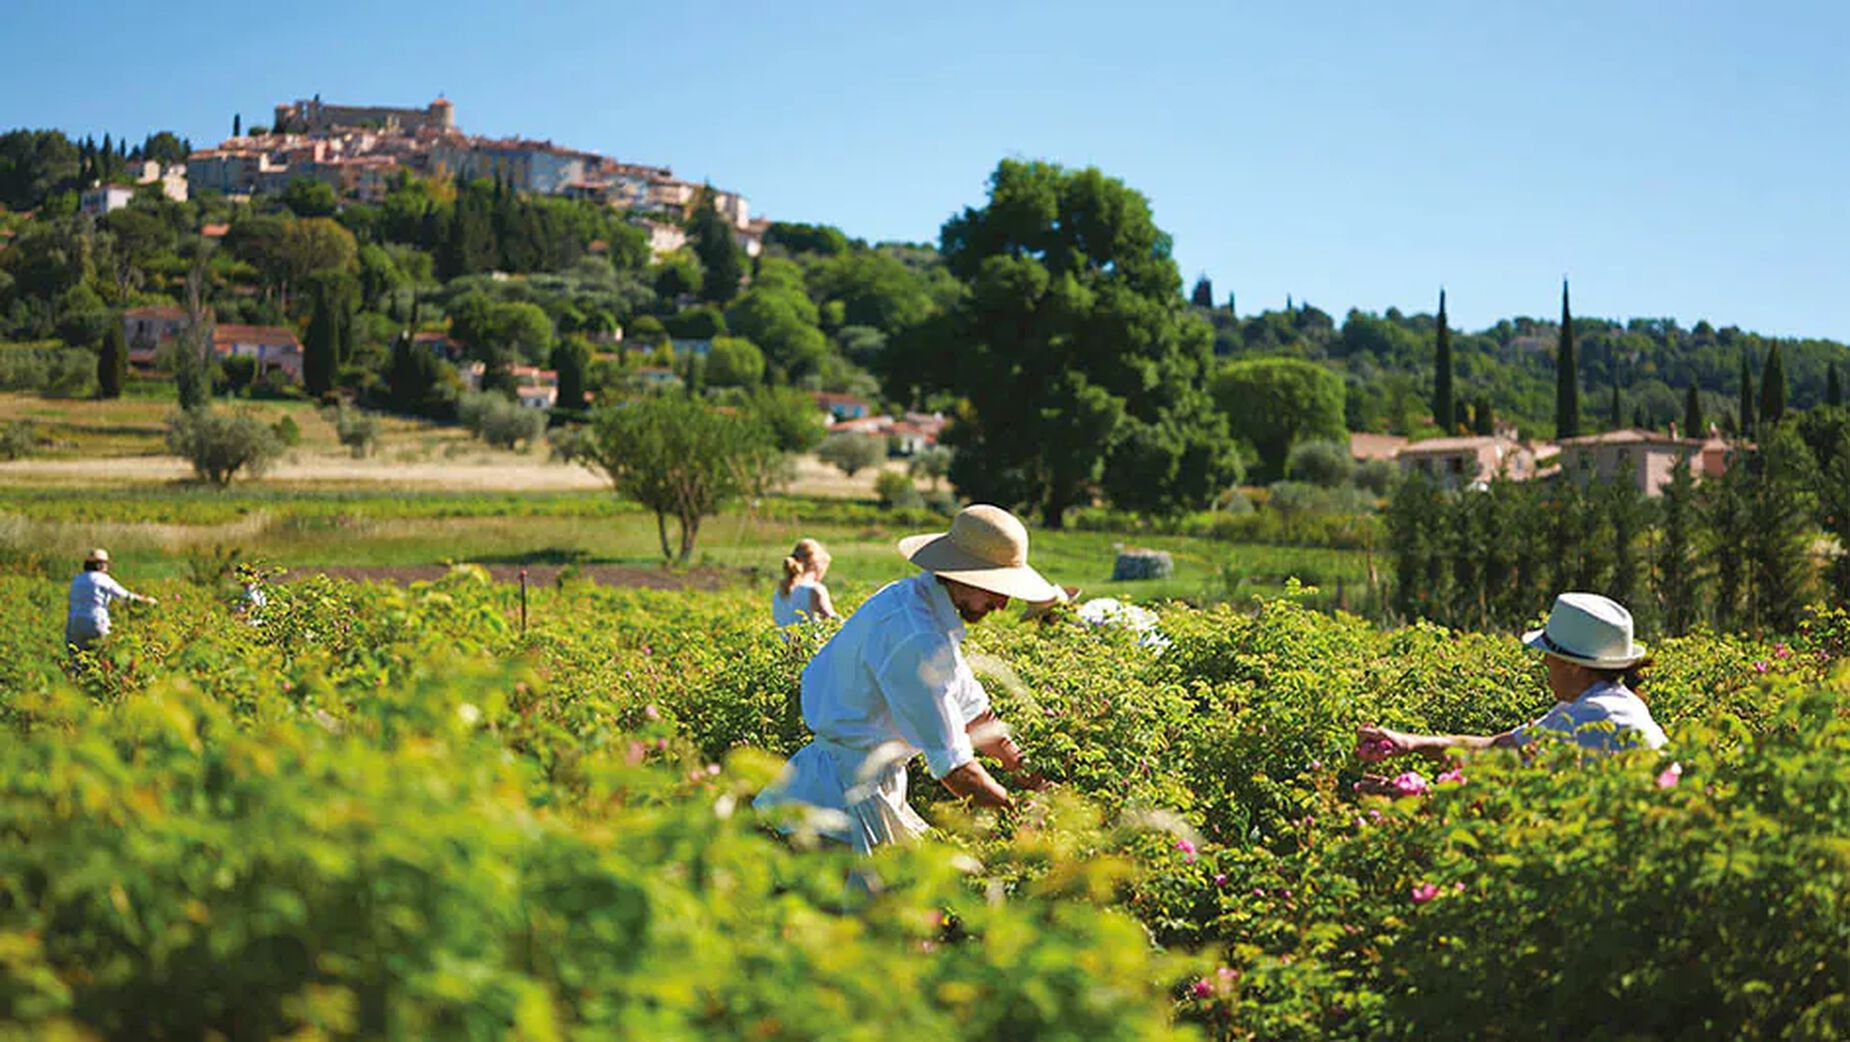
pixel 237 124
pixel 1772 387
pixel 1722 505
pixel 112 363
pixel 322 343
pixel 1615 418
pixel 1483 417
pixel 1231 310
pixel 1833 387
pixel 712 238
pixel 1675 579
pixel 570 359
pixel 1778 538
pixel 1747 399
pixel 1692 412
pixel 1567 377
pixel 1444 404
pixel 1203 296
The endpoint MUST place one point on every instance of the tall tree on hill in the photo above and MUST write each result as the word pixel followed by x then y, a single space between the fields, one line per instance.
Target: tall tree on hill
pixel 712 238
pixel 237 124
pixel 112 363
pixel 1483 417
pixel 1231 310
pixel 469 244
pixel 1723 508
pixel 1615 415
pixel 1692 412
pixel 1772 387
pixel 571 357
pixel 1444 400
pixel 1567 376
pixel 1833 387
pixel 1675 578
pixel 1082 366
pixel 1203 295
pixel 1778 531
pixel 1746 418
pixel 321 347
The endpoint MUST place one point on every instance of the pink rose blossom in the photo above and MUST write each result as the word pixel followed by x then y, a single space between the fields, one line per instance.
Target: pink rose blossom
pixel 1412 783
pixel 650 712
pixel 1227 973
pixel 1760 667
pixel 1781 651
pixel 1188 851
pixel 1669 776
pixel 1316 765
pixel 1453 775
pixel 1258 891
pixel 1203 988
pixel 1375 749
pixel 1374 814
pixel 1220 879
pixel 1458 887
pixel 1424 893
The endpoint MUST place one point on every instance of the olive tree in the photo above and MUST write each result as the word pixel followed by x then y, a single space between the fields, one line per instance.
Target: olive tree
pixel 220 444
pixel 679 458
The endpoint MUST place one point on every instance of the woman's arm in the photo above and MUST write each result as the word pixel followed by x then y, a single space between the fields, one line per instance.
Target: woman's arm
pixel 1379 743
pixel 825 608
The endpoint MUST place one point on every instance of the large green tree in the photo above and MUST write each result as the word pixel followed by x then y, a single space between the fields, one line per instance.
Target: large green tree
pixel 1567 376
pixel 1773 386
pixel 714 241
pixel 1273 404
pixel 1072 348
pixel 678 458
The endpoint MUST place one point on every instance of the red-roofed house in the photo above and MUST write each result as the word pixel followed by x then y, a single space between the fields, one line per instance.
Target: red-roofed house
pixel 1644 458
pixel 146 329
pixel 843 406
pixel 1457 462
pixel 274 347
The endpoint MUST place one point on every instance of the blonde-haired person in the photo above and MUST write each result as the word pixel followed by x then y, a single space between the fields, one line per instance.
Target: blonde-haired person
pixel 800 595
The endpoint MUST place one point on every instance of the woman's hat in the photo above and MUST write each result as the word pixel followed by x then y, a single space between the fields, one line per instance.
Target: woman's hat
pixel 986 548
pixel 97 556
pixel 1590 630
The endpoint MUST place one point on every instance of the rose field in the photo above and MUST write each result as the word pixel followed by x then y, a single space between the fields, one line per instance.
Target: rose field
pixel 388 811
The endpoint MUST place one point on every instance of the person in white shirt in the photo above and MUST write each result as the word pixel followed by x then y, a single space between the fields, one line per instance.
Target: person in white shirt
pixel 800 596
pixel 92 591
pixel 1593 668
pixel 892 683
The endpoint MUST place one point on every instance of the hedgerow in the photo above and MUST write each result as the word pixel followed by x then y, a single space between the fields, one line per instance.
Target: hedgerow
pixel 390 811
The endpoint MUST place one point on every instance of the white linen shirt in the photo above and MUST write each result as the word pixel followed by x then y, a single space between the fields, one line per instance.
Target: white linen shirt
pixel 895 672
pixel 1606 702
pixel 91 593
pixel 799 605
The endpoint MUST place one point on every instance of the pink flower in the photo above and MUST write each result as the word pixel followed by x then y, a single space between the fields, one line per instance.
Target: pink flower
pixel 1316 765
pixel 1374 814
pixel 1453 775
pixel 1459 887
pixel 1188 851
pixel 1258 891
pixel 1760 667
pixel 1424 893
pixel 1412 783
pixel 1781 651
pixel 713 770
pixel 1220 879
pixel 650 712
pixel 1375 749
pixel 1669 776
pixel 1227 973
pixel 1203 988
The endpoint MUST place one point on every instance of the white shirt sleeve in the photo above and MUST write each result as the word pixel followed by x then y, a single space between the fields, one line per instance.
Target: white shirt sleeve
pixel 113 589
pixel 919 680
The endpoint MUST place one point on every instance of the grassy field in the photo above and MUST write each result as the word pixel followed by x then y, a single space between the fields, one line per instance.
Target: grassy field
pixel 432 495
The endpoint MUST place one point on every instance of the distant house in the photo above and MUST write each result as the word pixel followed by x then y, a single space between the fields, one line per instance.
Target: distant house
pixel 1457 462
pixel 1642 457
pixel 105 198
pixel 146 329
pixel 273 347
pixel 438 344
pixel 536 396
pixel 655 377
pixel 842 406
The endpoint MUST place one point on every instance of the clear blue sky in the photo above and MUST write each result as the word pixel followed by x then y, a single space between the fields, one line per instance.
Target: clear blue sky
pixel 1685 158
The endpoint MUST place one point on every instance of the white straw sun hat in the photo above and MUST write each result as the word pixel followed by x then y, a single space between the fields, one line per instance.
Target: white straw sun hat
pixel 97 556
pixel 986 548
pixel 1590 630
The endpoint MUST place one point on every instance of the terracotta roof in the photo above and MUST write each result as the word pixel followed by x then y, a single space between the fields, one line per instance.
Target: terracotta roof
pixel 1627 436
pixel 1375 446
pixel 268 335
pixel 1460 444
pixel 215 231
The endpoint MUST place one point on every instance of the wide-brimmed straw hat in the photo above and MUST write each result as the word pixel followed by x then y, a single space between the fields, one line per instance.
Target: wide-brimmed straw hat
pixel 97 556
pixel 1590 630
pixel 986 548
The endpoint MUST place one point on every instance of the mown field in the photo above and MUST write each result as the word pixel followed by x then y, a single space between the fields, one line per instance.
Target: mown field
pixel 388 811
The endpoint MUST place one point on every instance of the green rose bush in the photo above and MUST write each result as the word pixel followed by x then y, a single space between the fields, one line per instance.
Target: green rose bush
pixel 389 812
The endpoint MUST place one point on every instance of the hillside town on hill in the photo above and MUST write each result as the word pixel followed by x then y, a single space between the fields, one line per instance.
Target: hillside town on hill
pixel 359 150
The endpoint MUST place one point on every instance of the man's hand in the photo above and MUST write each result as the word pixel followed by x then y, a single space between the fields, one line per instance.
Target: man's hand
pixel 1374 744
pixel 971 782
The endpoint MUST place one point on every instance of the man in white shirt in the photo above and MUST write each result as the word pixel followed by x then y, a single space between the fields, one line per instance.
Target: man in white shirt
pixel 91 593
pixel 892 684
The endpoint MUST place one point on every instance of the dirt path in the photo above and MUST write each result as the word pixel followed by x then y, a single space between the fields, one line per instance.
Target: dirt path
pixel 631 576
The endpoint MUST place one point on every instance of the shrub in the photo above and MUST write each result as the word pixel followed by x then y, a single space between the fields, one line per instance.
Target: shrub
pixel 1378 476
pixel 896 491
pixel 851 453
pixel 220 444
pixel 1323 463
pixel 287 431
pixel 19 439
pixel 357 429
pixel 499 422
